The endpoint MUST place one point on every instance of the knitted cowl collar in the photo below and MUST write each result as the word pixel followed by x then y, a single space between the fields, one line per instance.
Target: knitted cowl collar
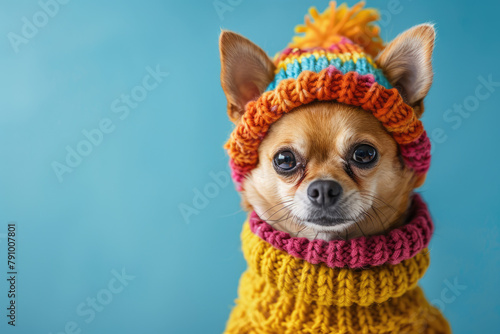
pixel 402 250
pixel 365 285
pixel 398 245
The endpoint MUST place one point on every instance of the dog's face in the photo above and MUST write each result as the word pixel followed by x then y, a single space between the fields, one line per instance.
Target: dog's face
pixel 328 170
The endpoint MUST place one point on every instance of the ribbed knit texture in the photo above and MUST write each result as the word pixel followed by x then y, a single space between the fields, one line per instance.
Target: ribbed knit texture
pixel 282 293
pixel 397 245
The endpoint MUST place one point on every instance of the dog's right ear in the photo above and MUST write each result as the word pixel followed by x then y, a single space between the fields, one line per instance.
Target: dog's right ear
pixel 246 71
pixel 406 62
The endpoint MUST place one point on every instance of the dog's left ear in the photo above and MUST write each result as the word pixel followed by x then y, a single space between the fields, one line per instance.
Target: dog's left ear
pixel 406 62
pixel 246 71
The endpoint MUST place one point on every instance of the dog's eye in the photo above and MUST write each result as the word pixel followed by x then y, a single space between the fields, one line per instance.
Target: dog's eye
pixel 285 160
pixel 364 154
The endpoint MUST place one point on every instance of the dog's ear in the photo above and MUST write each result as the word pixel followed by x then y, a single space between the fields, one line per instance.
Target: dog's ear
pixel 406 62
pixel 246 71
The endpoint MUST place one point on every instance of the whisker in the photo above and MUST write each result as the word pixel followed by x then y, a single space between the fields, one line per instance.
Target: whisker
pixel 302 229
pixel 372 218
pixel 357 224
pixel 373 196
pixel 272 207
pixel 381 222
pixel 284 217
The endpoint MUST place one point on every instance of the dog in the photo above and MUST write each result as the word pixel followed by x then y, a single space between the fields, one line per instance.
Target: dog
pixel 324 170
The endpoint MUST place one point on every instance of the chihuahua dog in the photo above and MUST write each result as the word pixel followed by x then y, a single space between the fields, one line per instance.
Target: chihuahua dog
pixel 328 170
pixel 327 150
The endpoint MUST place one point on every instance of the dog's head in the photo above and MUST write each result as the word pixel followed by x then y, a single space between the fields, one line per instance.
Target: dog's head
pixel 329 170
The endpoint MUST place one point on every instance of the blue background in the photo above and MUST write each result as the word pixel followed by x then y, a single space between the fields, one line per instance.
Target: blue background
pixel 120 208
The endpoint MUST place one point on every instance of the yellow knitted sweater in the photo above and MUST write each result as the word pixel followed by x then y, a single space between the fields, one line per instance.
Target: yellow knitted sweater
pixel 279 293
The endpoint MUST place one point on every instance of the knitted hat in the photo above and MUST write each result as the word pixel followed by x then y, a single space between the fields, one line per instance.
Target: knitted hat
pixel 332 61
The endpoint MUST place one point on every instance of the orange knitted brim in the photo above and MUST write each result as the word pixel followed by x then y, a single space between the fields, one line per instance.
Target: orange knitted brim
pixel 330 84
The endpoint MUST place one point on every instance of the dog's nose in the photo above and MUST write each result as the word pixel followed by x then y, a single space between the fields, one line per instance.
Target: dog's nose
pixel 324 193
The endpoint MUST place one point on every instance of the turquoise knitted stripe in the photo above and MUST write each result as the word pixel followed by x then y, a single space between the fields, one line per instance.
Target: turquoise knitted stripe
pixel 311 63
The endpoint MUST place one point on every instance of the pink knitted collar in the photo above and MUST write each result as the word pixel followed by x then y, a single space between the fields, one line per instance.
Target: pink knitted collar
pixel 398 245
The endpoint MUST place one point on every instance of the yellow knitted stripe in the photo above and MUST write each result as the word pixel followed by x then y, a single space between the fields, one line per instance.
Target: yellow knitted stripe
pixel 261 309
pixel 281 294
pixel 354 56
pixel 331 286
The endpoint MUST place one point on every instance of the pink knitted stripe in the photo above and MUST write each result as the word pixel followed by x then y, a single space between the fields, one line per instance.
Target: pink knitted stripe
pixel 297 52
pixel 238 174
pixel 417 154
pixel 398 245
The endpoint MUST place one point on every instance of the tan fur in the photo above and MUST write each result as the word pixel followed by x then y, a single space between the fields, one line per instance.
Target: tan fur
pixel 324 134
